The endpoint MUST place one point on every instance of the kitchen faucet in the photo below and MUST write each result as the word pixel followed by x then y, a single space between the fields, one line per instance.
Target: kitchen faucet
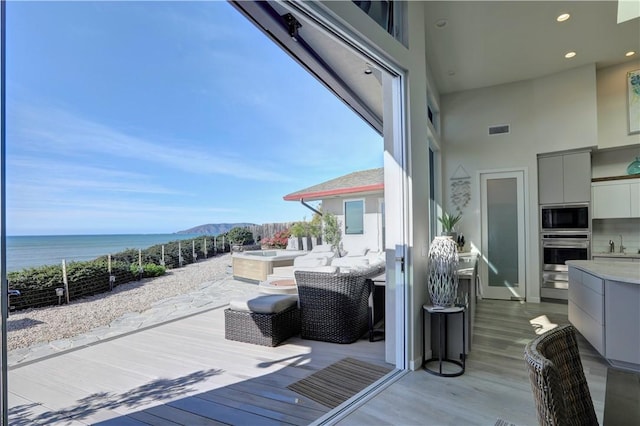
pixel 621 246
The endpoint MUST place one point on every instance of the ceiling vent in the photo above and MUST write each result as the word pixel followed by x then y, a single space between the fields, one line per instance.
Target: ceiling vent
pixel 499 130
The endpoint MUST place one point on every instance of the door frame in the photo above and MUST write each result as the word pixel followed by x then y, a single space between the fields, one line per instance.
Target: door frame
pixel 521 175
pixel 4 289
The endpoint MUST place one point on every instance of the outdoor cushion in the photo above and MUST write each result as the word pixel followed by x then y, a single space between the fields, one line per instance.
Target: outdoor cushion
pixel 357 252
pixel 325 269
pixel 351 262
pixel 322 248
pixel 307 262
pixel 264 304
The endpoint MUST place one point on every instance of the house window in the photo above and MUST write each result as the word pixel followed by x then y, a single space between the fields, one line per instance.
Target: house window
pixel 388 14
pixel 354 217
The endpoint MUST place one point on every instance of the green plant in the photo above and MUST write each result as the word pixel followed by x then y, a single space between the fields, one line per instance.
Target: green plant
pixel 315 226
pixel 449 221
pixel 240 236
pixel 331 231
pixel 298 229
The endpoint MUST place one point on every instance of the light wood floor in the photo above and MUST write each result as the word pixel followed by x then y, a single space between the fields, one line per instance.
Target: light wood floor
pixel 187 373
pixel 495 384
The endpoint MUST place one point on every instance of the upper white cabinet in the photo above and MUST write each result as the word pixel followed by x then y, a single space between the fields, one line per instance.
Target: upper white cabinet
pixel 616 199
pixel 564 178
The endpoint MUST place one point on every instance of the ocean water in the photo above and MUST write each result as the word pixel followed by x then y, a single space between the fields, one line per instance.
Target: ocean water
pixel 32 251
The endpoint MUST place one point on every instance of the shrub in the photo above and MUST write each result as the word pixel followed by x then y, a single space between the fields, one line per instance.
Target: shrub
pixel 148 270
pixel 279 240
pixel 240 236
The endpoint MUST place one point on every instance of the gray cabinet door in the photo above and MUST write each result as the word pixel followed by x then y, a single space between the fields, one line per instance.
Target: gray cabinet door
pixel 564 178
pixel 622 321
pixel 577 177
pixel 551 180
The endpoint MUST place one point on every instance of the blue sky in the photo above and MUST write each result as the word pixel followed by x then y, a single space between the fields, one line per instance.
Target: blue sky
pixel 153 117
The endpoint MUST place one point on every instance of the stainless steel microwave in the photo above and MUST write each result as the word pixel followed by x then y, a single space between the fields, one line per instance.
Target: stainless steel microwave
pixel 571 217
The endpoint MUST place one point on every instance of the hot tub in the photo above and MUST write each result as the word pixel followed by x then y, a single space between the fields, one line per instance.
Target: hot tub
pixel 255 265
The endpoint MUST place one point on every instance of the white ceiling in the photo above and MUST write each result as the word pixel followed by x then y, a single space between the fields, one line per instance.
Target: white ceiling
pixel 487 43
pixel 484 43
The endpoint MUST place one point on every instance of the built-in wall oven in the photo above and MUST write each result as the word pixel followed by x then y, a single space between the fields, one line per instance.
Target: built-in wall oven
pixel 557 248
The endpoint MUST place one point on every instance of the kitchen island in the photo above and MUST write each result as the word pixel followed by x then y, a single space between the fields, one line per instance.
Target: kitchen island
pixel 604 306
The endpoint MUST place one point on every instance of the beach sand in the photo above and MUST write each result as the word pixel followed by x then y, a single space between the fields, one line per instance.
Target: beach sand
pixel 32 326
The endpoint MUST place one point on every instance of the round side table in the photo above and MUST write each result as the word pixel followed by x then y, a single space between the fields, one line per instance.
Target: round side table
pixel 442 314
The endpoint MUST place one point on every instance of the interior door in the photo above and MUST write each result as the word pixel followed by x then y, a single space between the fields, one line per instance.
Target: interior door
pixel 503 235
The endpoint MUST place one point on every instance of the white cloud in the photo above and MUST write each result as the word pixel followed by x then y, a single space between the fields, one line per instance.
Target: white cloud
pixel 59 132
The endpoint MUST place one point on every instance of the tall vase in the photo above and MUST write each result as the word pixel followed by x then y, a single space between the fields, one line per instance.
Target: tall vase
pixel 443 271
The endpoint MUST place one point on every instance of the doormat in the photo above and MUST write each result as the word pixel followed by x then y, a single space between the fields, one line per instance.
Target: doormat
pixel 622 398
pixel 338 382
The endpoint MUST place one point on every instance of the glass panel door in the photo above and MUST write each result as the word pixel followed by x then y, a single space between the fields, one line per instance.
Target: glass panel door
pixel 503 235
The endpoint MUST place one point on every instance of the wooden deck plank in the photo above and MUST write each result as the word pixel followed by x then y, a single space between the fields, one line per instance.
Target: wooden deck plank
pixel 150 419
pixel 222 413
pixel 181 417
pixel 297 409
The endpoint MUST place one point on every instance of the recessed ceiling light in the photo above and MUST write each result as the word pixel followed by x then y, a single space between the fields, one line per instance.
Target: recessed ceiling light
pixel 630 53
pixel 569 55
pixel 563 17
pixel 441 23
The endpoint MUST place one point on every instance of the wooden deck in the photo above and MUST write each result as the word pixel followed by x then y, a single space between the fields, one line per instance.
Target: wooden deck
pixel 183 372
pixel 187 373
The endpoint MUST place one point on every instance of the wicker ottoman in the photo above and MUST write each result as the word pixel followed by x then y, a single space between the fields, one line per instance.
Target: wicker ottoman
pixel 266 320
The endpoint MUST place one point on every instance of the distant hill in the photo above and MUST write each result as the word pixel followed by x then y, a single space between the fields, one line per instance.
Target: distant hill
pixel 214 228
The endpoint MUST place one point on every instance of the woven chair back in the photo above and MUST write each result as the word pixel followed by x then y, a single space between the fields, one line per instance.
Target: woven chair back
pixel 333 307
pixel 557 379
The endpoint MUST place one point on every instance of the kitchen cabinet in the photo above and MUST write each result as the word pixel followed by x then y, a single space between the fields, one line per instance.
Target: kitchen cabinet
pixel 622 336
pixel 616 199
pixel 586 306
pixel 564 178
pixel 604 306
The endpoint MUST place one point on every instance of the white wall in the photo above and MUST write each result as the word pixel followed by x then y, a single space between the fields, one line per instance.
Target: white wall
pixel 553 113
pixel 612 106
pixel 613 162
pixel 370 239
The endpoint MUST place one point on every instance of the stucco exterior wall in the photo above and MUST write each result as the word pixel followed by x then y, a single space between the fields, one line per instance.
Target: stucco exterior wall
pixel 371 239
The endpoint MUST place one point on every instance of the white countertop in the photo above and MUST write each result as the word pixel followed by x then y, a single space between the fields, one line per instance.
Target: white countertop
pixel 628 272
pixel 621 255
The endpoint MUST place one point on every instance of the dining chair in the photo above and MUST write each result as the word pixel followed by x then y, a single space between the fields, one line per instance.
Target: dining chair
pixel 557 379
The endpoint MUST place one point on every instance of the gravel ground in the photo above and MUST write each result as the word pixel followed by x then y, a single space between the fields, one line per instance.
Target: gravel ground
pixel 31 326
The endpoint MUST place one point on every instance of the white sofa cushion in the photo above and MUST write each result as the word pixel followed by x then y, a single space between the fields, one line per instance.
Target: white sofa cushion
pixel 322 248
pixel 357 252
pixel 310 262
pixel 326 269
pixel 350 262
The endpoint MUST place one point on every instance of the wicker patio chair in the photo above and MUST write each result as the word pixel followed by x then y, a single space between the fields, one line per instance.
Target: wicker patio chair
pixel 333 306
pixel 557 379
